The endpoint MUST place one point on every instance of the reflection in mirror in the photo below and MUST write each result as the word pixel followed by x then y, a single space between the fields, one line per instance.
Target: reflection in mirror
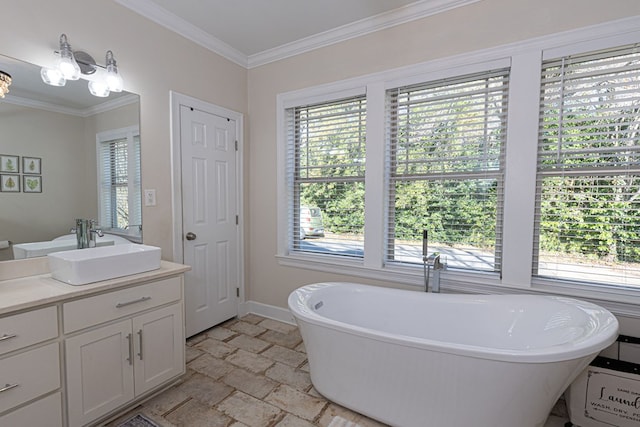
pixel 65 154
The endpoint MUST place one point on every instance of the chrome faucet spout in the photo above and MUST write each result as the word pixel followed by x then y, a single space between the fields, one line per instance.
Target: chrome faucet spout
pixel 436 266
pixel 86 231
pixel 82 236
pixel 431 263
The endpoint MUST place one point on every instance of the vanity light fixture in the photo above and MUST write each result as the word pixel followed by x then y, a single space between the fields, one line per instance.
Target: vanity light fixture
pixel 72 65
pixel 5 82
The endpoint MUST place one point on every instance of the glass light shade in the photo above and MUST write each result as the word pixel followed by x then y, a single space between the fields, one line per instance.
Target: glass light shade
pixel 66 62
pixel 52 77
pixel 114 80
pixel 99 88
pixel 68 66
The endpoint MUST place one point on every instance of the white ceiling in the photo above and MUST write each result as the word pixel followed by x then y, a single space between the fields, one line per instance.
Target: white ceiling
pixel 256 32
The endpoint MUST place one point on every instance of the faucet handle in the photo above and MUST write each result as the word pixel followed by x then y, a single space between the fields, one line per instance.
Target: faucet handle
pixel 94 227
pixel 434 261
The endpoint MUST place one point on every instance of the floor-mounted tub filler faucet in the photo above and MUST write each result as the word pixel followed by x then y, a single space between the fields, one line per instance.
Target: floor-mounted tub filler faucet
pixel 431 263
pixel 86 231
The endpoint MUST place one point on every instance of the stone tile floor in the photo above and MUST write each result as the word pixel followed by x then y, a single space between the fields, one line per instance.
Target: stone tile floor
pixel 253 372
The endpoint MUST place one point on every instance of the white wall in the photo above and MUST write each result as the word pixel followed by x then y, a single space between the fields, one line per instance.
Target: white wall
pixel 485 24
pixel 152 60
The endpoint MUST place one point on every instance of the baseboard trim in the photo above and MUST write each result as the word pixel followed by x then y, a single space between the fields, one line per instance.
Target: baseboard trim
pixel 269 311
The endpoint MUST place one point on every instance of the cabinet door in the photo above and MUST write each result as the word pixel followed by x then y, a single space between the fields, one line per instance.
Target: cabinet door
pixel 43 412
pixel 159 347
pixel 99 372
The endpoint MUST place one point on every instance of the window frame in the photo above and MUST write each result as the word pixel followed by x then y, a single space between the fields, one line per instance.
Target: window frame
pixel 497 172
pixel 562 145
pixel 525 59
pixel 301 175
pixel 129 133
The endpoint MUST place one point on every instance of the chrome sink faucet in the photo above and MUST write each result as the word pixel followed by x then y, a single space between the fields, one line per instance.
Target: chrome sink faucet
pixel 86 231
pixel 431 263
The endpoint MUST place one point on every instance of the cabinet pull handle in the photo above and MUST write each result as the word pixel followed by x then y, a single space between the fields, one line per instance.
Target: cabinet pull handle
pixel 6 337
pixel 8 387
pixel 140 337
pixel 135 301
pixel 130 358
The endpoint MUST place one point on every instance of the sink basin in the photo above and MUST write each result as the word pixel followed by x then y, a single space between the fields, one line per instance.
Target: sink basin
pixel 83 266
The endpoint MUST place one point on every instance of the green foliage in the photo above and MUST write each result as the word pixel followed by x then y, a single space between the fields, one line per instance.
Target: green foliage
pixel 592 212
pixel 454 212
pixel 342 205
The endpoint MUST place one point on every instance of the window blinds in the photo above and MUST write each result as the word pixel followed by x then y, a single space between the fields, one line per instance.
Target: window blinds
pixel 446 173
pixel 119 173
pixel 587 225
pixel 326 160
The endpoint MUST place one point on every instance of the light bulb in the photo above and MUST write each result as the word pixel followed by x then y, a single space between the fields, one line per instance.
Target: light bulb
pixel 67 63
pixel 114 79
pixel 52 77
pixel 68 67
pixel 99 88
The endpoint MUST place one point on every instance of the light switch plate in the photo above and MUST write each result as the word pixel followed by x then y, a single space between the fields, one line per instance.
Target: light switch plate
pixel 150 197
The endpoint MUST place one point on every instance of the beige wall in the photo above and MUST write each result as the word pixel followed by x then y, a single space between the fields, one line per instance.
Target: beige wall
pixel 484 24
pixel 152 60
pixel 58 139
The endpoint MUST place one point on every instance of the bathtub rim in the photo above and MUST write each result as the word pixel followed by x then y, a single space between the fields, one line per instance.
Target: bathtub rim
pixel 555 353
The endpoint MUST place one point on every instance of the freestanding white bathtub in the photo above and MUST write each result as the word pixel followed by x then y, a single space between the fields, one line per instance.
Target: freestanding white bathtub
pixel 410 358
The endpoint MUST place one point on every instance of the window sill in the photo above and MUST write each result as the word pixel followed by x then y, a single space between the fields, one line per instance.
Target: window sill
pixel 620 301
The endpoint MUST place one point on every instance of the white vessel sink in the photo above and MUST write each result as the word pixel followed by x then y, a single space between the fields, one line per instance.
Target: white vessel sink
pixel 83 266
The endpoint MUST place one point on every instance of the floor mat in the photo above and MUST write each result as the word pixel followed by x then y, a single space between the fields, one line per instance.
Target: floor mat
pixel 138 421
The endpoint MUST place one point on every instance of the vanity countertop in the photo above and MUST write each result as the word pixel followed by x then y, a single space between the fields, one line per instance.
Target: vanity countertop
pixel 33 291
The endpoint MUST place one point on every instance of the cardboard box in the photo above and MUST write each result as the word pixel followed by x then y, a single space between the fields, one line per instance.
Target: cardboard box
pixel 605 394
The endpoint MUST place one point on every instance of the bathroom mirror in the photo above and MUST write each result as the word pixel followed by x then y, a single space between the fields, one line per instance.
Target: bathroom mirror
pixel 49 156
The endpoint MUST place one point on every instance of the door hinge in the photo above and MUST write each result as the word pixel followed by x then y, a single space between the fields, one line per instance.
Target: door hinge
pixel 238 292
pixel 236 145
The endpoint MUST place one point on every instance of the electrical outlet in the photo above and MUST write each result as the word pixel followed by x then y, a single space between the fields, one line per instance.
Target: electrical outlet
pixel 149 197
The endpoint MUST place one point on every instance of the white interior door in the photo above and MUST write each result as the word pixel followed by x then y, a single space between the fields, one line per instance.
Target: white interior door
pixel 209 216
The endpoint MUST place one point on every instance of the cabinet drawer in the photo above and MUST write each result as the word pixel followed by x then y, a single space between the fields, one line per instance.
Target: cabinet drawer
pixel 44 412
pixel 28 375
pixel 92 311
pixel 25 329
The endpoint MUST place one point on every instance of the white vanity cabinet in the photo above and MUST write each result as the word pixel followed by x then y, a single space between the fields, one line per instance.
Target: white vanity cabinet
pixel 121 345
pixel 30 369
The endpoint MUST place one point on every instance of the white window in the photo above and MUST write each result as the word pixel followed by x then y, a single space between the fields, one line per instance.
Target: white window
pixel 446 148
pixel 326 164
pixel 588 187
pixel 549 201
pixel 119 198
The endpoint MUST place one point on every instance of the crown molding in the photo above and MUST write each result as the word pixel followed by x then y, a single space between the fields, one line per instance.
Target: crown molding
pixel 411 12
pixel 163 17
pixel 79 112
pixel 402 15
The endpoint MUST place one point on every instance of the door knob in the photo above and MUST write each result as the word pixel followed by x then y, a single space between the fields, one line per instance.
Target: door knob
pixel 191 236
